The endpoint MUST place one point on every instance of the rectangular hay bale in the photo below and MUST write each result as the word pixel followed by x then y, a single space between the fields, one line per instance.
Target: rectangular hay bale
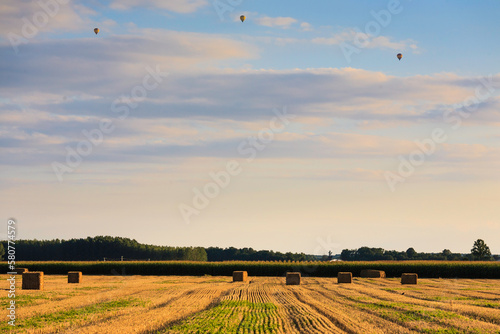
pixel 409 278
pixel 74 276
pixel 20 271
pixel 292 278
pixel 33 280
pixel 344 277
pixel 240 276
pixel 372 273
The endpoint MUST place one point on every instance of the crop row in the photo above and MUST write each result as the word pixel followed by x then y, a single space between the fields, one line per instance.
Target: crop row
pixel 425 269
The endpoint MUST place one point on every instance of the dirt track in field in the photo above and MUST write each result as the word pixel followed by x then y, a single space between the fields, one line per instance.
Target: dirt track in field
pixel 174 304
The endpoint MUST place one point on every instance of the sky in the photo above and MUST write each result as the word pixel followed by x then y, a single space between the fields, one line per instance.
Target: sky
pixel 297 130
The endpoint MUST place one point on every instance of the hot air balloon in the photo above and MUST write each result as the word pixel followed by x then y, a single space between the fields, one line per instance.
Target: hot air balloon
pixel 96 30
pixel 242 18
pixel 399 56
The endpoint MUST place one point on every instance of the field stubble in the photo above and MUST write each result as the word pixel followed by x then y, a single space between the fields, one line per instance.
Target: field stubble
pixel 178 304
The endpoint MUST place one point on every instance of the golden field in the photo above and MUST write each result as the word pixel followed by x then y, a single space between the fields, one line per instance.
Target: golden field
pixel 181 304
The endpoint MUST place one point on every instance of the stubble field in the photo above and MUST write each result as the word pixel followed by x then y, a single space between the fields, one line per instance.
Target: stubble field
pixel 180 304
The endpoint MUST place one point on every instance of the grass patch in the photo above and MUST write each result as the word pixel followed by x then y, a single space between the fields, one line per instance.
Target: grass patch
pixel 85 288
pixel 361 298
pixel 230 317
pixel 403 313
pixel 488 304
pixel 449 298
pixel 24 300
pixel 441 331
pixel 440 314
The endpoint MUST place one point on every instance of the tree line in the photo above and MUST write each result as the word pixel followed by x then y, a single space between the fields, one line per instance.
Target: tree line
pixel 106 248
pixel 249 254
pixel 479 251
pixel 101 248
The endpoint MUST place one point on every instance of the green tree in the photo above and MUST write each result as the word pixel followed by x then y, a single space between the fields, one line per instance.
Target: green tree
pixel 410 252
pixel 480 250
pixel 347 255
pixel 447 254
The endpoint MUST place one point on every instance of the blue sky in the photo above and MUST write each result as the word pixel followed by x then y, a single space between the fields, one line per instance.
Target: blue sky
pixel 179 126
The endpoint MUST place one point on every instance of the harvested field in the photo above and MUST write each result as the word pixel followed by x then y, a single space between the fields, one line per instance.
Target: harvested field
pixel 179 304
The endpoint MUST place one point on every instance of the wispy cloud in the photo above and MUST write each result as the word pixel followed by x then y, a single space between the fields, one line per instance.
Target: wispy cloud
pixel 369 41
pixel 177 6
pixel 41 16
pixel 306 26
pixel 281 22
pixel 123 57
pixel 207 113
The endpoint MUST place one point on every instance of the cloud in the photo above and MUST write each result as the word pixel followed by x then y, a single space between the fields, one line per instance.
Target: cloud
pixel 306 26
pixel 177 6
pixel 204 110
pixel 281 22
pixel 363 40
pixel 111 65
pixel 279 41
pixel 21 17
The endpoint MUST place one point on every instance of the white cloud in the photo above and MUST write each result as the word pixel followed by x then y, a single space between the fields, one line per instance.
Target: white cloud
pixel 281 22
pixel 306 26
pixel 124 57
pixel 201 110
pixel 177 6
pixel 362 40
pixel 21 17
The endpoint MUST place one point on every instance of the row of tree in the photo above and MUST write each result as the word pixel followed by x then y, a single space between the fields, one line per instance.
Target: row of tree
pixel 249 254
pixel 101 248
pixel 106 248
pixel 380 254
pixel 116 248
pixel 479 251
